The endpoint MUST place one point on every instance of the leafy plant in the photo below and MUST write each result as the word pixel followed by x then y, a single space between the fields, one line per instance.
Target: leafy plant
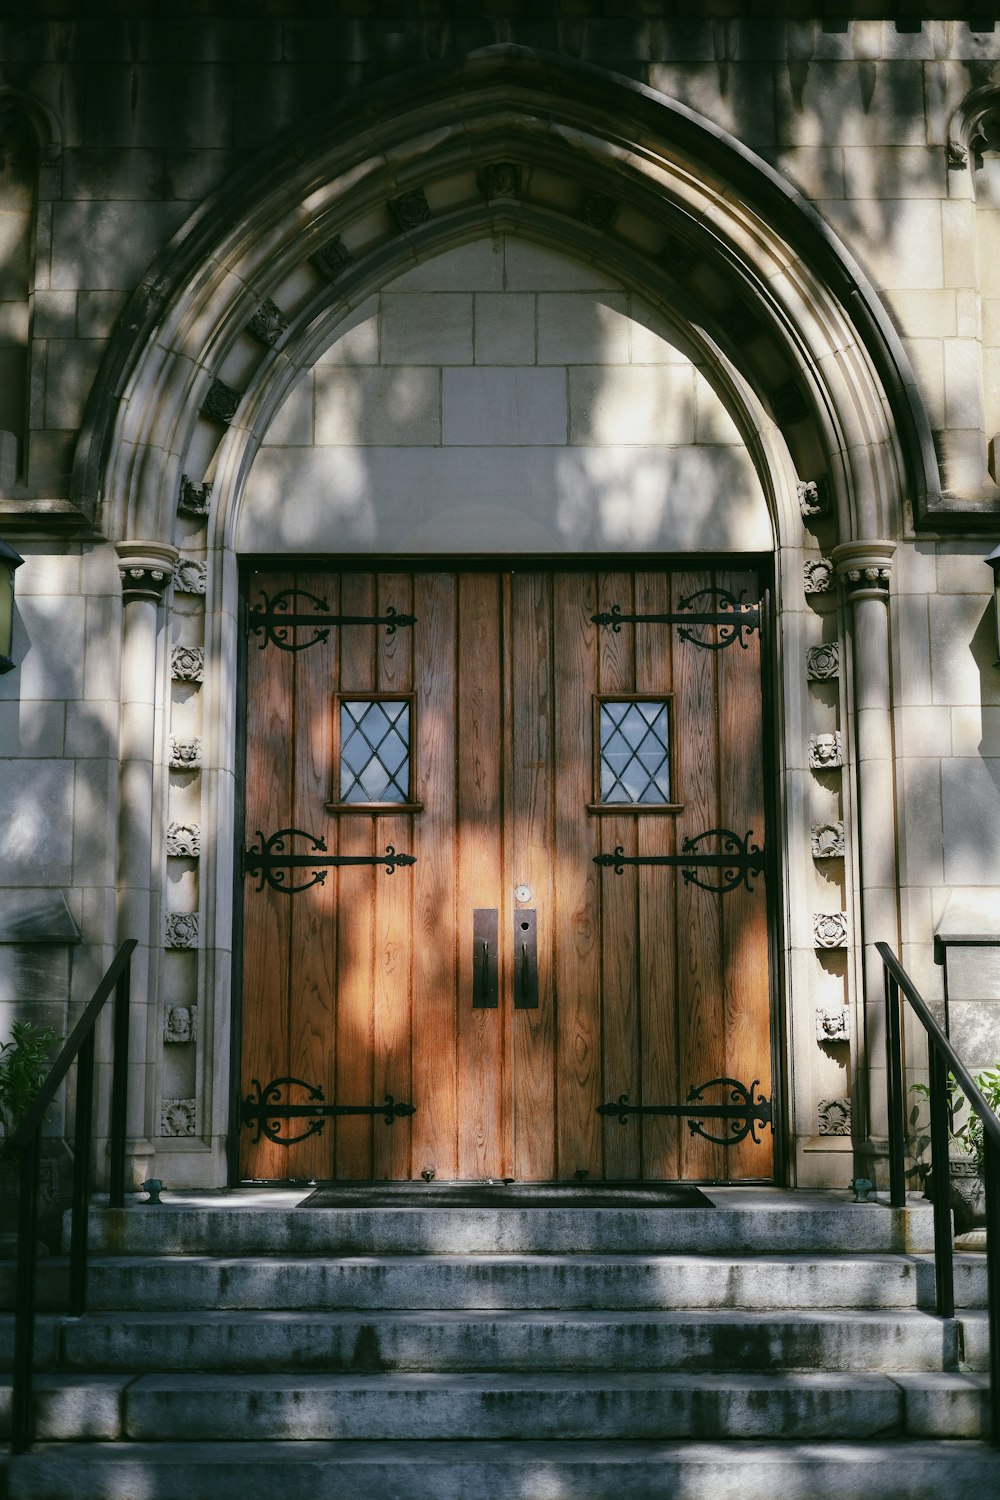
pixel 24 1062
pixel 965 1128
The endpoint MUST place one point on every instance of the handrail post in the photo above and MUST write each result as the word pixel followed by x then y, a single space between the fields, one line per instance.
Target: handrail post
pixel 944 1269
pixel 119 1086
pixel 894 1091
pixel 80 1215
pixel 991 1184
pixel 22 1423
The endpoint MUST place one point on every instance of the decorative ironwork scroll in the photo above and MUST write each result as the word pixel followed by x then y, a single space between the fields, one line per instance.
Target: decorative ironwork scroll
pixel 733 616
pixel 265 1111
pixel 745 1113
pixel 736 860
pixel 270 860
pixel 276 617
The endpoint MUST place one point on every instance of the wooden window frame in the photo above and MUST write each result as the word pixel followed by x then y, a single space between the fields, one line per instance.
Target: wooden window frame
pixel 368 695
pixel 597 806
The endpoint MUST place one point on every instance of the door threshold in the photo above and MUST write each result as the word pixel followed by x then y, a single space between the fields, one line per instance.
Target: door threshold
pixel 499 1194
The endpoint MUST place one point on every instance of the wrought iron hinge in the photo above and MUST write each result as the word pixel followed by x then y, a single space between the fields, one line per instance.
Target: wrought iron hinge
pixel 277 615
pixel 265 1111
pixel 270 860
pixel 736 860
pixel 743 1110
pixel 733 616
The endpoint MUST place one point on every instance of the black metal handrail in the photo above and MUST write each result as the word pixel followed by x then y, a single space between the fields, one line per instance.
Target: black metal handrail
pixel 943 1060
pixel 27 1142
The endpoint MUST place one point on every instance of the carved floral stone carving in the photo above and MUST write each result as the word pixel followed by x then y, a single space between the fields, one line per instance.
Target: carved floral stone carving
pixel 187 663
pixel 195 499
pixel 833 1023
pixel 411 209
pixel 268 323
pixel 180 1024
pixel 599 211
pixel 503 180
pixel 332 258
pixel 830 929
pixel 190 577
pixel 823 662
pixel 867 578
pixel 183 840
pixel 812 498
pixel 185 755
pixel 142 581
pixel 220 404
pixel 817 575
pixel 177 1116
pixel 180 929
pixel 826 751
pixel 834 1116
pixel 828 841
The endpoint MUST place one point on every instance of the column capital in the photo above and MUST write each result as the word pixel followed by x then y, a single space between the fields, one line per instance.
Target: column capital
pixel 864 568
pixel 146 569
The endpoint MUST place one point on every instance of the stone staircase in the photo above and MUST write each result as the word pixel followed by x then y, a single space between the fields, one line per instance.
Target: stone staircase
pixel 774 1345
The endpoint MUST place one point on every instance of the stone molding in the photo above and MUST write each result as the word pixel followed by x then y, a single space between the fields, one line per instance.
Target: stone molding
pixel 146 569
pixel 864 568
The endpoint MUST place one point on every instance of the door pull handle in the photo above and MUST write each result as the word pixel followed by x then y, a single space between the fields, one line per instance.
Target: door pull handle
pixel 526 969
pixel 485 945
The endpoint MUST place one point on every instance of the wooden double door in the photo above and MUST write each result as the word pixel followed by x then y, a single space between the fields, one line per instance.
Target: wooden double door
pixel 501 869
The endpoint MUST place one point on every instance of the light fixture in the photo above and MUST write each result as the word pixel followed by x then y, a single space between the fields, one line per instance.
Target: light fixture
pixel 9 560
pixel 993 561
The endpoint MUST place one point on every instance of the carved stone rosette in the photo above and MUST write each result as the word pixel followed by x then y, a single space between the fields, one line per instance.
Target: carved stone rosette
pixel 187 663
pixel 332 258
pixel 826 751
pixel 220 403
pixel 180 929
pixel 599 211
pixel 827 841
pixel 823 662
pixel 834 1116
pixel 410 210
pixel 183 840
pixel 830 929
pixel 177 1116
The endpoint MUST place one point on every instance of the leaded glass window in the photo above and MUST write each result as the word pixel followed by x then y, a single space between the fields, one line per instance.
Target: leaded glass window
pixel 374 750
pixel 634 752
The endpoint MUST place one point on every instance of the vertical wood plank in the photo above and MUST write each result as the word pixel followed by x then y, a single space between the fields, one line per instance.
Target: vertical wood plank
pixel 355 910
pixel 480 1032
pixel 577 900
pixel 393 911
pixel 747 1004
pixel 657 899
pixel 266 914
pixel 620 1068
pixel 435 1138
pixel 531 654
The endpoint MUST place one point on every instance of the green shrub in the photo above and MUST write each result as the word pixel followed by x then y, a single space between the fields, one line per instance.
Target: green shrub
pixel 24 1063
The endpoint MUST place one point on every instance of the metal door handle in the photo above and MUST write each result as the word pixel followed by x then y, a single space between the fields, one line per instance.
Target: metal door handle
pixel 485 944
pixel 526 970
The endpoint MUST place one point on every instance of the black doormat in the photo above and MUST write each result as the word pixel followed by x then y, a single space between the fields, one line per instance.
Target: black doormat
pixel 510 1195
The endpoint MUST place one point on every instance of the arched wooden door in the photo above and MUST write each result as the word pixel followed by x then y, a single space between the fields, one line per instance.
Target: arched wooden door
pixel 502 869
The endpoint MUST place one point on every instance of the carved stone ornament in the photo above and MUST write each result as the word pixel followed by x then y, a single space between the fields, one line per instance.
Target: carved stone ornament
pixel 834 1116
pixel 958 157
pixel 411 210
pixel 180 929
pixel 195 499
pixel 828 841
pixel 185 755
pixel 678 257
pixel 817 575
pixel 187 663
pixel 788 403
pixel 332 258
pixel 812 498
pixel 268 323
pixel 873 577
pixel 599 211
pixel 826 751
pixel 190 577
pixel 180 1024
pixel 220 404
pixel 833 1023
pixel 183 840
pixel 177 1116
pixel 823 662
pixel 830 929
pixel 502 180
pixel 142 581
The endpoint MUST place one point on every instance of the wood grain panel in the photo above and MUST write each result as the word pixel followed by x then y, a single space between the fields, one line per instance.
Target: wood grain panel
pixel 701 1021
pixel 620 1068
pixel 393 911
pixel 744 913
pixel 480 1032
pixel 657 904
pixel 355 911
pixel 266 914
pixel 435 1138
pixel 577 898
pixel 313 967
pixel 532 705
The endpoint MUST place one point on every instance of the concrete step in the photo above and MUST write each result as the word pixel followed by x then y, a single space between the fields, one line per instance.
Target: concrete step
pixel 843 1340
pixel 191 1408
pixel 525 1281
pixel 786 1227
pixel 878 1470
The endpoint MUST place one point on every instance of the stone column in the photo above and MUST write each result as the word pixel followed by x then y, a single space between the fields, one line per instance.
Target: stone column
pixel 146 569
pixel 864 569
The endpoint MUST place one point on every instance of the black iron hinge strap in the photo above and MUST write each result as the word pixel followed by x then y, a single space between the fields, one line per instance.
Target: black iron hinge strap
pixel 264 1110
pixel 743 1110
pixel 276 615
pixel 269 860
pixel 732 615
pixel 737 859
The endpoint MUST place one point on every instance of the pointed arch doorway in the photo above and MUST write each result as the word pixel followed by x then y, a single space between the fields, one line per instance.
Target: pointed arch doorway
pixel 504 869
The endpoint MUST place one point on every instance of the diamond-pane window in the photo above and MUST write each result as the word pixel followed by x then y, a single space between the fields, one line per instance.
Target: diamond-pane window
pixel 635 751
pixel 374 750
